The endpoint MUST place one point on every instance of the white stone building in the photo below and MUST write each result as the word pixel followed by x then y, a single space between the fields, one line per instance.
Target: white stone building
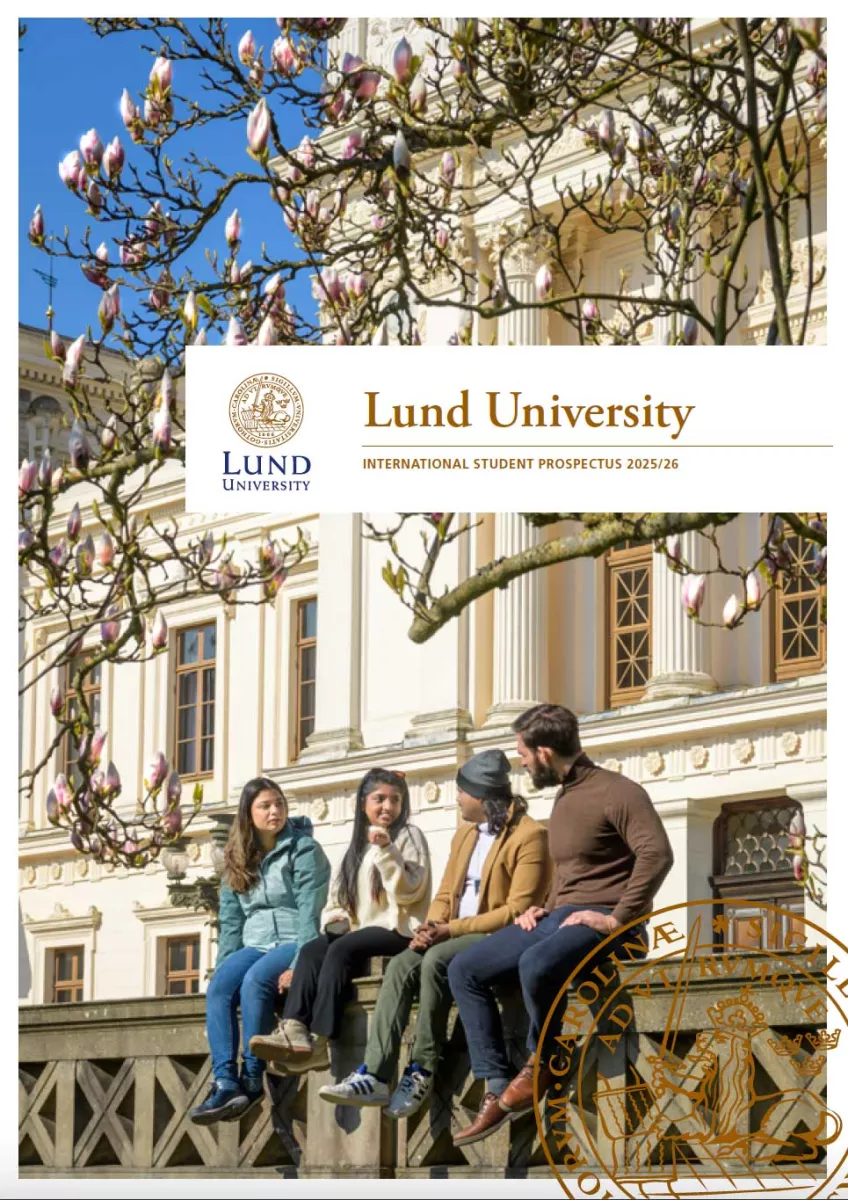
pixel 725 730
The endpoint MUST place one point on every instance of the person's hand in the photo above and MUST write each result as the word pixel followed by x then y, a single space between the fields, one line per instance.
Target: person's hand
pixel 601 922
pixel 378 836
pixel 429 934
pixel 531 918
pixel 285 980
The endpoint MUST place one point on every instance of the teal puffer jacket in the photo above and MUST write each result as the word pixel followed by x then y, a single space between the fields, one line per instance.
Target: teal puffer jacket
pixel 285 903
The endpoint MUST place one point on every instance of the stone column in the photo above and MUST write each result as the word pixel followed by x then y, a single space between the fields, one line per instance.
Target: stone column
pixel 337 688
pixel 689 824
pixel 519 678
pixel 520 253
pixel 679 646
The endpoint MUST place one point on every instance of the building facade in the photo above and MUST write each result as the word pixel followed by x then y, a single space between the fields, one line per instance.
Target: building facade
pixel 726 730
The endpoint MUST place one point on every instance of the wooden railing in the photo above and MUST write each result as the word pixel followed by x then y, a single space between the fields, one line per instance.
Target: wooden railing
pixel 106 1088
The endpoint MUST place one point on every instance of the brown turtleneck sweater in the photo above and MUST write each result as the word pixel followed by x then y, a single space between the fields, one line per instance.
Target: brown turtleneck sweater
pixel 608 844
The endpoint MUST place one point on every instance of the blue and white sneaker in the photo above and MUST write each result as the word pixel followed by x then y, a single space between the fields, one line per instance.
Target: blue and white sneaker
pixel 414 1089
pixel 360 1089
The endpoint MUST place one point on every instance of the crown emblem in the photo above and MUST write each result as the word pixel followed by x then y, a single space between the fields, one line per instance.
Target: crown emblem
pixel 786 1047
pixel 824 1040
pixel 738 1014
pixel 811 1066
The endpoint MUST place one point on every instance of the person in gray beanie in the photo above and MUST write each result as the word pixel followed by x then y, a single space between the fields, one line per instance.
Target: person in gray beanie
pixel 497 868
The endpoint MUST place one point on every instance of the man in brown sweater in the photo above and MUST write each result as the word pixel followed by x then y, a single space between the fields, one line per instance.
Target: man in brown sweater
pixel 610 854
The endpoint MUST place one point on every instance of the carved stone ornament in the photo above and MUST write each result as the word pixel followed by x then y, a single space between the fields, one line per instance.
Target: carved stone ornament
pixel 700 756
pixel 432 791
pixel 30 874
pixel 612 764
pixel 56 871
pixel 320 808
pixel 82 868
pixel 654 763
pixel 791 743
pixel 743 750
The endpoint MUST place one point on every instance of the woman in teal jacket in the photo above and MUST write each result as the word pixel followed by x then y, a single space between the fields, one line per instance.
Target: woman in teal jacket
pixel 275 885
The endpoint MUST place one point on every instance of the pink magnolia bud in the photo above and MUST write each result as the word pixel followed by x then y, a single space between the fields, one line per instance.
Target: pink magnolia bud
pixel 235 334
pixel 109 433
pixel 305 153
pixel 797 831
pixel 77 442
pixel 798 867
pixel 232 229
pixel 590 310
pixel 418 96
pixel 732 611
pixel 190 312
pixel 129 110
pixel 367 85
pixel 200 338
pixel 45 468
pixel 636 140
pixel 402 60
pixel 73 359
pixel 692 593
pixel 36 227
pixel 162 427
pixel 206 548
pixel 175 788
pixel 672 547
pixel 313 203
pixel 74 523
pixel 94 196
pixel 331 284
pixel 85 556
pixel 71 170
pixel 57 346
pixel 356 285
pixel 105 549
pixel 400 154
pixel 110 307
pixel 64 791
pixel 26 477
pixel 110 629
pixel 113 159
pixel 26 540
pixel 157 771
pixel 448 168
pixel 91 149
pixel 52 807
pixel 274 287
pixel 606 128
pixel 57 701
pixel 172 822
pixel 247 49
pixel 112 781
pixel 544 282
pixel 159 632
pixel 284 57
pixel 690 331
pixel 267 335
pixel 161 75
pixel 58 556
pixel 98 741
pixel 258 129
pixel 753 589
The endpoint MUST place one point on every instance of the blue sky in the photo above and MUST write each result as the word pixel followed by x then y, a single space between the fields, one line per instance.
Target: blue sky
pixel 71 80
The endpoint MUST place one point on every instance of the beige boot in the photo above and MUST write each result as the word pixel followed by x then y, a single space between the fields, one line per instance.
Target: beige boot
pixel 290 1040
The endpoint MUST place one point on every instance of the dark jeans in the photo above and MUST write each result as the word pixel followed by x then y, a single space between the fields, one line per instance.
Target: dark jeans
pixel 247 979
pixel 321 983
pixel 544 957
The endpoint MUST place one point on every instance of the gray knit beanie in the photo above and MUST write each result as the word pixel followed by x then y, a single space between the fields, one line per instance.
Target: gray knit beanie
pixel 486 776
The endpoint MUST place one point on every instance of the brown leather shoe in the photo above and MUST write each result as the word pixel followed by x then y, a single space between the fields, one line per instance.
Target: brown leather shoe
pixel 517 1099
pixel 490 1117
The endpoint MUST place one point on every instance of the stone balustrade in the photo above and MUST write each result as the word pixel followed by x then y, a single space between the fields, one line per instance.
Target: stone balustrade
pixel 106 1087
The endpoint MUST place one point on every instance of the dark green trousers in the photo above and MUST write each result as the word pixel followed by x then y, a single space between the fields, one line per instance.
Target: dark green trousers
pixel 409 973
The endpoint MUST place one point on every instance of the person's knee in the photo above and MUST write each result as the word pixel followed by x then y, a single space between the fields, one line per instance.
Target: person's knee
pixel 258 980
pixel 461 971
pixel 533 969
pixel 434 969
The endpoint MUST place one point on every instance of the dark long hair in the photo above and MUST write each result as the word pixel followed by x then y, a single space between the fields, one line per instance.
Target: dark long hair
pixel 356 851
pixel 243 852
pixel 497 811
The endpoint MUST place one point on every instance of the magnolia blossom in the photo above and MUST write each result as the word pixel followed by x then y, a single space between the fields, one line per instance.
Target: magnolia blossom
pixel 36 226
pixel 331 284
pixel 590 310
pixel 74 525
pixel 157 771
pixel 112 780
pixel 110 307
pixel 63 791
pixel 190 312
pixel 162 427
pixel 172 822
pixel 258 128
pixel 129 110
pixel 161 75
pixel 105 549
pixel 352 145
pixel 267 334
pixel 110 629
pixel 418 96
pixel 235 334
pixel 57 701
pixel 402 60
pixel 753 589
pixel 113 159
pixel 91 149
pixel 232 229
pixel 71 170
pixel 26 477
pixel 247 49
pixel 544 282
pixel 284 57
pixel 57 346
pixel 692 593
pixel 672 547
pixel 73 358
pixel 200 337
pixel 305 152
pixel 77 441
pixel 98 741
pixel 85 556
pixel 447 168
pixel 732 611
pixel 400 154
pixel 159 632
pixel 175 788
pixel 690 331
pixel 606 128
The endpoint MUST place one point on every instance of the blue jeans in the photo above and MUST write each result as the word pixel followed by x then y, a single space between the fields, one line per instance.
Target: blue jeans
pixel 544 957
pixel 247 979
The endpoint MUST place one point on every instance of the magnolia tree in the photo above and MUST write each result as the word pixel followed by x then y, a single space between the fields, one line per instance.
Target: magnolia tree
pixel 742 589
pixel 696 146
pixel 99 581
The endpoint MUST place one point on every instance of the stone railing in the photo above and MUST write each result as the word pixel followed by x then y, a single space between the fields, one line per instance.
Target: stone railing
pixel 106 1088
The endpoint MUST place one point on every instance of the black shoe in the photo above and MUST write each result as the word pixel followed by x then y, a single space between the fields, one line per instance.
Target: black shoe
pixel 224 1102
pixel 253 1095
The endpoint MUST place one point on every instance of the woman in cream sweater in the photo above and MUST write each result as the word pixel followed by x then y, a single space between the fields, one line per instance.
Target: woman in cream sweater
pixel 379 897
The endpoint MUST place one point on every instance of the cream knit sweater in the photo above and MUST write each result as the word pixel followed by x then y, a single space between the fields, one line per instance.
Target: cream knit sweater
pixel 404 867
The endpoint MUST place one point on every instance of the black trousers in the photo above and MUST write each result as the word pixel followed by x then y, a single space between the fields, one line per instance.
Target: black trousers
pixel 321 984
